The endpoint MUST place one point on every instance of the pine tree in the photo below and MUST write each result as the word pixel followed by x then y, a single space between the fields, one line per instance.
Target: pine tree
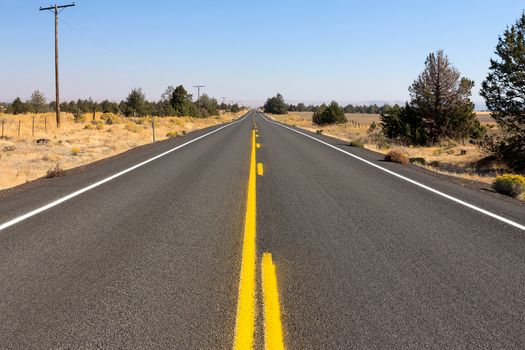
pixel 38 102
pixel 441 97
pixel 180 101
pixel 135 103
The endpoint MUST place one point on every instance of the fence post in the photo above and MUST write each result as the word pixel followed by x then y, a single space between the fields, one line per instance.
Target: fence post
pixel 33 128
pixel 3 121
pixel 45 124
pixel 153 127
pixel 19 125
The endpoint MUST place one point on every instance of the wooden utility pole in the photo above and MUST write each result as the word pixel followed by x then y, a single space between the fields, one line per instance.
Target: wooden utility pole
pixel 56 9
pixel 199 87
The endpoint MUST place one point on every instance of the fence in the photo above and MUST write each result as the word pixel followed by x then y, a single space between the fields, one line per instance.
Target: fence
pixel 40 126
pixel 33 126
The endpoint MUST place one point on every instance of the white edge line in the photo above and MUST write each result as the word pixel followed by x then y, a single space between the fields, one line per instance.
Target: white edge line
pixel 454 199
pixel 107 179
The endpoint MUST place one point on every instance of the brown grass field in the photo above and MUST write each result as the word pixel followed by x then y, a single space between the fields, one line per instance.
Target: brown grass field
pixel 367 119
pixel 449 154
pixel 76 144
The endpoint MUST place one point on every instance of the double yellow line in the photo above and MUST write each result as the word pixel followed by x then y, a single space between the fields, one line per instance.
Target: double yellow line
pixel 245 321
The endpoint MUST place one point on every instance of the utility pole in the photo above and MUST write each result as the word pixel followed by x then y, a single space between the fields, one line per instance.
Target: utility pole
pixel 56 9
pixel 199 91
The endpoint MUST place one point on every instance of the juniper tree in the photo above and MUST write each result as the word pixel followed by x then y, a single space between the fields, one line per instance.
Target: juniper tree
pixel 276 105
pixel 504 92
pixel 331 114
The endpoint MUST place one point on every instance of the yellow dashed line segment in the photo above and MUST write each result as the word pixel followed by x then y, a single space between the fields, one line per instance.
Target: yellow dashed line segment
pixel 273 333
pixel 260 169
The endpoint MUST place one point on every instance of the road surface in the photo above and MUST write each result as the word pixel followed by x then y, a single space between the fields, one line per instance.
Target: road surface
pixel 234 238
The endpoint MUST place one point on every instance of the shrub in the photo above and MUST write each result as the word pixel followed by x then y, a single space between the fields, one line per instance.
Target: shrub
pixel 109 118
pixel 510 185
pixel 89 127
pixel 356 143
pixel 78 116
pixel 10 148
pixel 100 126
pixel 418 160
pixel 381 141
pixel 437 152
pixel 57 171
pixel 372 127
pixel 396 156
pixel 319 131
pixel 132 127
pixel 75 151
pixel 172 134
pixel 331 114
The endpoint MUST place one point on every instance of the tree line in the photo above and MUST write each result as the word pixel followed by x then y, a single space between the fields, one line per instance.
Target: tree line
pixel 175 101
pixel 277 105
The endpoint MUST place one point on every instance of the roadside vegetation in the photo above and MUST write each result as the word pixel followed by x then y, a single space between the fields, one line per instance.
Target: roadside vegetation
pixel 31 146
pixel 175 101
pixel 438 127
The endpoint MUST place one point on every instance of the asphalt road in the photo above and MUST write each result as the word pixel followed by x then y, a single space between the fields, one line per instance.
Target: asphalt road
pixel 363 259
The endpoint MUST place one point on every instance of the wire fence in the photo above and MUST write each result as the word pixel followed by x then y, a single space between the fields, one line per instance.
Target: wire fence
pixel 33 127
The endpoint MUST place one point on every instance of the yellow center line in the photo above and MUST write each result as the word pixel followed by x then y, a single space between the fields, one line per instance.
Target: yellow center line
pixel 245 321
pixel 260 169
pixel 273 333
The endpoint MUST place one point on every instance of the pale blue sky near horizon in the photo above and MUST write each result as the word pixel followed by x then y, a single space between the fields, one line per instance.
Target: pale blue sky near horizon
pixel 311 51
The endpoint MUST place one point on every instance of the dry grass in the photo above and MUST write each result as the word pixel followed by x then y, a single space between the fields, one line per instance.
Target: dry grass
pixel 76 144
pixel 454 159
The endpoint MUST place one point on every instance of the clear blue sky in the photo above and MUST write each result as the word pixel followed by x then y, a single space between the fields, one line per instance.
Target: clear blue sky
pixel 349 51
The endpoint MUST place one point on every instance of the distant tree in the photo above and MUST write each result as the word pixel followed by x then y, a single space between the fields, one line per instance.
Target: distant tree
pixel 234 108
pixel 301 107
pixel 180 100
pixel 38 102
pixel 292 108
pixel 135 103
pixel 208 106
pixel 331 114
pixel 504 93
pixel 276 105
pixel 441 97
pixel 107 106
pixel 18 106
pixel 166 95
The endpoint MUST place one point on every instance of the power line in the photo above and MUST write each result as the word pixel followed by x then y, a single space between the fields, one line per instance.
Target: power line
pixel 56 9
